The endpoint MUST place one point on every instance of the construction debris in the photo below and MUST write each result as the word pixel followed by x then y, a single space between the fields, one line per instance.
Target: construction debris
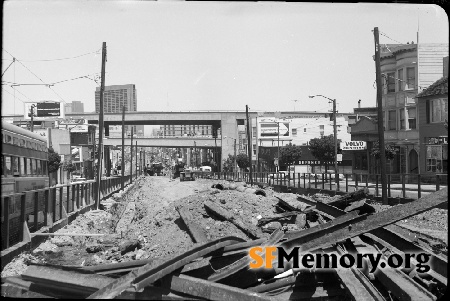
pixel 197 247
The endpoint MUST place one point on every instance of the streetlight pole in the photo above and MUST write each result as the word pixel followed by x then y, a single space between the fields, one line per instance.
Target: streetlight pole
pixel 335 139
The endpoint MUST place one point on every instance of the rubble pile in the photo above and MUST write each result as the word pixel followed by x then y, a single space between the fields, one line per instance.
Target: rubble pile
pixel 190 240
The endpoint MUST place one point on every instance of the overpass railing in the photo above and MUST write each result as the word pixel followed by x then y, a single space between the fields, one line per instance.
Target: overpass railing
pixel 412 186
pixel 41 208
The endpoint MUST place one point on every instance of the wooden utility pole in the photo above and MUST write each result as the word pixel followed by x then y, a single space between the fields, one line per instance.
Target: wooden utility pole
pixel 131 156
pixel 380 118
pixel 122 166
pixel 336 173
pixel 100 128
pixel 32 116
pixel 136 161
pixel 249 143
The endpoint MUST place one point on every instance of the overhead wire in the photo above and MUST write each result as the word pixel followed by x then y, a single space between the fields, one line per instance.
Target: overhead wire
pixel 61 59
pixel 12 95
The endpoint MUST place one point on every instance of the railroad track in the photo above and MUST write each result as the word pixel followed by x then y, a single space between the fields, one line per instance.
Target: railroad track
pixel 220 269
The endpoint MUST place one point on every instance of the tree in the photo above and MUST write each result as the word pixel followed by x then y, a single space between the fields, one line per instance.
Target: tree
pixel 323 149
pixel 228 164
pixel 389 151
pixel 69 167
pixel 289 154
pixel 54 160
pixel 242 161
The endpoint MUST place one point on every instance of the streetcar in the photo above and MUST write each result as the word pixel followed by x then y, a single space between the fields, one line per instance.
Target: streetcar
pixel 24 160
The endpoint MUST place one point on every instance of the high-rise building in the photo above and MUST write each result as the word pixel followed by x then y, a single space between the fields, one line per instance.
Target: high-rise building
pixel 74 107
pixel 117 96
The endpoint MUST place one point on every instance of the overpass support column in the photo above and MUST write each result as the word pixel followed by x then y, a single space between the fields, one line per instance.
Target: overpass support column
pixel 228 128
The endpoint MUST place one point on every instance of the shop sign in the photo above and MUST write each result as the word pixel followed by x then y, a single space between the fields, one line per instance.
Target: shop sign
pixel 353 145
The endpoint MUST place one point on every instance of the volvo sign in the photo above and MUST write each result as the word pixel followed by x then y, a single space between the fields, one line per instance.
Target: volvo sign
pixel 353 145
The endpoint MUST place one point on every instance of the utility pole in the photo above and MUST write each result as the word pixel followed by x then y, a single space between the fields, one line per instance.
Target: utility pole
pixel 235 162
pixel 131 156
pixel 336 177
pixel 278 150
pixel 122 166
pixel 380 119
pixel 136 163
pixel 249 143
pixel 100 129
pixel 32 115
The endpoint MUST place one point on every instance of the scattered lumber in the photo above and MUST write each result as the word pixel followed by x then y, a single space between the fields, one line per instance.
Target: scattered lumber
pixel 196 232
pixel 291 203
pixel 344 200
pixel 250 230
pixel 268 219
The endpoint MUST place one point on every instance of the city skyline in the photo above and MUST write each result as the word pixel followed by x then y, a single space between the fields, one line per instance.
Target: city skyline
pixel 205 56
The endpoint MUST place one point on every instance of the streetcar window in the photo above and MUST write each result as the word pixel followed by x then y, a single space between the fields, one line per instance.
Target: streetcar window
pixel 8 167
pixel 38 167
pixel 22 142
pixel 8 139
pixel 33 167
pixel 29 167
pixel 28 144
pixel 16 141
pixel 15 165
pixel 3 167
pixel 22 165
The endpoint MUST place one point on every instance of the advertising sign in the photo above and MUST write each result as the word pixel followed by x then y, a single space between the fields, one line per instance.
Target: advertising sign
pixel 353 145
pixel 81 128
pixel 44 110
pixel 274 129
pixel 76 154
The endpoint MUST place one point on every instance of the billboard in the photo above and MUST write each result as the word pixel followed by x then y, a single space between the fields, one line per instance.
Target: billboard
pixel 44 110
pixel 80 128
pixel 274 129
pixel 353 145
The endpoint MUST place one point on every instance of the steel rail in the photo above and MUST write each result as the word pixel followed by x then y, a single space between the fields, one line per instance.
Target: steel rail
pixel 149 273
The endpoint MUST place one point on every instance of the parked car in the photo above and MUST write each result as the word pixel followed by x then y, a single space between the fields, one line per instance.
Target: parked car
pixel 281 174
pixel 205 168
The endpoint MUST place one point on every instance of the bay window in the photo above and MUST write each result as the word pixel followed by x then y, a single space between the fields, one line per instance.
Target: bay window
pixel 391 82
pixel 400 79
pixel 392 120
pixel 410 78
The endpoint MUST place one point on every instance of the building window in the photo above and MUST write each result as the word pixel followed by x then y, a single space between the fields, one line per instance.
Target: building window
pixel 410 78
pixel 392 120
pixel 402 119
pixel 304 130
pixel 437 158
pixel 294 132
pixel 391 82
pixel 439 110
pixel 412 118
pixel 322 130
pixel 400 79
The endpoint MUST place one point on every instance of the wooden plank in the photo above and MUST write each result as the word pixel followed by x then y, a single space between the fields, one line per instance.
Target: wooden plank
pixel 249 230
pixel 400 285
pixel 210 290
pixel 372 222
pixel 345 200
pixel 197 233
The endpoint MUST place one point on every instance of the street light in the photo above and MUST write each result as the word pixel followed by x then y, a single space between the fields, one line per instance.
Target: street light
pixel 335 138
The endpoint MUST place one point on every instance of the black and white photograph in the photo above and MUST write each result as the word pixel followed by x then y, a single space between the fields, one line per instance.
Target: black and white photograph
pixel 224 150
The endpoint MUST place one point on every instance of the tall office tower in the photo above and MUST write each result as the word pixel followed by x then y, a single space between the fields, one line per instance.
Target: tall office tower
pixel 74 107
pixel 117 96
pixel 77 106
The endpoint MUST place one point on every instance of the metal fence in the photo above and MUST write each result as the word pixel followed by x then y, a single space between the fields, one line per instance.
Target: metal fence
pixel 36 209
pixel 398 185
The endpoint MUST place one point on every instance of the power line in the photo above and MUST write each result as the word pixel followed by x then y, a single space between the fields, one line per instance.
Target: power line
pixel 50 84
pixel 61 59
pixel 15 97
pixel 383 34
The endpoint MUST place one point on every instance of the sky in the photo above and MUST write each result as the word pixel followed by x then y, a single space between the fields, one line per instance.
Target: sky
pixel 188 56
